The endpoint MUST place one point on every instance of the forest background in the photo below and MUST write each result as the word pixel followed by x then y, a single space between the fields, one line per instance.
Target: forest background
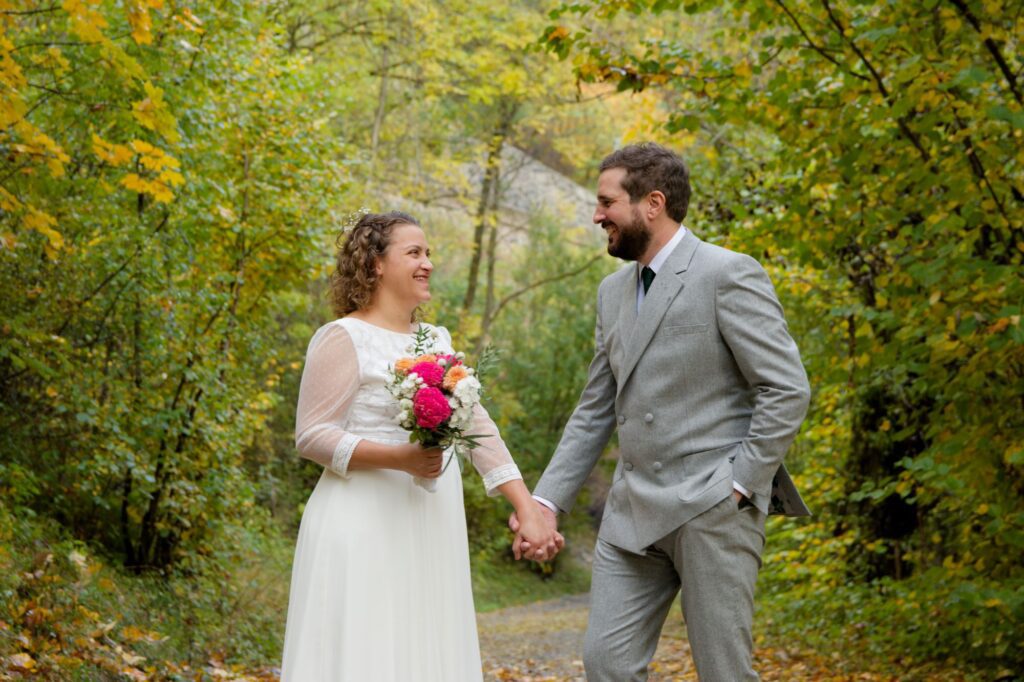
pixel 174 174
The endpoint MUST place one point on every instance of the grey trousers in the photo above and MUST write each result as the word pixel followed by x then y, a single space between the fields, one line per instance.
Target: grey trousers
pixel 713 560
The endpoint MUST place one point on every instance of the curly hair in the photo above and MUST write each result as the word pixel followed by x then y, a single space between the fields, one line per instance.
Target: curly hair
pixel 355 276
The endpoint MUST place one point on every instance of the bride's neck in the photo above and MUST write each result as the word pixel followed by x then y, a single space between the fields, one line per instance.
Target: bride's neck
pixel 395 318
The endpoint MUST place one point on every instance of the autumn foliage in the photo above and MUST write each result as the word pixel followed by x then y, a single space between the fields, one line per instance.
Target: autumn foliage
pixel 173 175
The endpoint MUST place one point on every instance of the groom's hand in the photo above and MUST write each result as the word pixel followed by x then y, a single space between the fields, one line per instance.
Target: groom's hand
pixel 522 547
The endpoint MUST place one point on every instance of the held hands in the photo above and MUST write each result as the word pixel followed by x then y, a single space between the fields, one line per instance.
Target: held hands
pixel 414 459
pixel 537 536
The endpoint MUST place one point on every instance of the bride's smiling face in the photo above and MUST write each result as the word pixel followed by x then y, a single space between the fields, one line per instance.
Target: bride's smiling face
pixel 405 269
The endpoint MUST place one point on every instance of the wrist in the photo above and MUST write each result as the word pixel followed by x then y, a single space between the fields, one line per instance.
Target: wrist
pixel 528 510
pixel 398 458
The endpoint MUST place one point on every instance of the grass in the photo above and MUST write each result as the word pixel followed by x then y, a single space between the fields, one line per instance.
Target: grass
pixel 500 582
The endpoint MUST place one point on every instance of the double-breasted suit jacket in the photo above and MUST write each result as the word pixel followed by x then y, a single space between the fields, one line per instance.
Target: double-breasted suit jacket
pixel 705 386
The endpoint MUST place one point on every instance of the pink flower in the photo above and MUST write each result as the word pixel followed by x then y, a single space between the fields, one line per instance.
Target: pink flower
pixel 450 360
pixel 430 407
pixel 431 373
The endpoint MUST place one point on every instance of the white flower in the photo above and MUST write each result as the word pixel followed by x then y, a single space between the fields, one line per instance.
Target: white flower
pixel 468 391
pixel 462 418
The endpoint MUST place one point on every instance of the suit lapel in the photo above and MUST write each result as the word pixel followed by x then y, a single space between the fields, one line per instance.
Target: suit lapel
pixel 627 308
pixel 666 286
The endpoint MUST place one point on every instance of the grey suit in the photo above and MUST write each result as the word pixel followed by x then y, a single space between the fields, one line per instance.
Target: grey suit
pixel 706 387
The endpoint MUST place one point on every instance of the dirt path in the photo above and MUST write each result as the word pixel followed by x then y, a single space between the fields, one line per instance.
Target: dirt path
pixel 543 642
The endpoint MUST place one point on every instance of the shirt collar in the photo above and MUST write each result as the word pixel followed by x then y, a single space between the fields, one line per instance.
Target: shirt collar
pixel 662 255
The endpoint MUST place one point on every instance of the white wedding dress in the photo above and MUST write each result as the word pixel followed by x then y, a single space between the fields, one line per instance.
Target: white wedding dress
pixel 380 586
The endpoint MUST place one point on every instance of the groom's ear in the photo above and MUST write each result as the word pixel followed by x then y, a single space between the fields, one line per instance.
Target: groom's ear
pixel 655 204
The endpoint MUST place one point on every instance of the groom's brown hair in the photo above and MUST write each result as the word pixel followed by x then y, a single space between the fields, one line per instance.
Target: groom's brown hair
pixel 650 167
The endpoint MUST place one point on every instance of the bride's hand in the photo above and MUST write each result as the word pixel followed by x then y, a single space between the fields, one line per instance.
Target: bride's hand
pixel 416 460
pixel 538 537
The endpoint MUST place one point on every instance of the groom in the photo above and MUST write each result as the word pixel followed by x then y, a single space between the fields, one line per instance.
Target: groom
pixel 695 366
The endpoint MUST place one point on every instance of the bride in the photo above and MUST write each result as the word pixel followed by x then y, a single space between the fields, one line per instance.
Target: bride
pixel 380 584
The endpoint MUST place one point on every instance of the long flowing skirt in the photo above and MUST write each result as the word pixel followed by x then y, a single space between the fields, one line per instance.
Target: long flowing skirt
pixel 380 584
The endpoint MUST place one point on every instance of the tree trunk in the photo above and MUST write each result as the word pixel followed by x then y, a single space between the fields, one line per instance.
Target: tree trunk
pixel 492 175
pixel 382 103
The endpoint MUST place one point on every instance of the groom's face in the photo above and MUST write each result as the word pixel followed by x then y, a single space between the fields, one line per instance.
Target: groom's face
pixel 628 235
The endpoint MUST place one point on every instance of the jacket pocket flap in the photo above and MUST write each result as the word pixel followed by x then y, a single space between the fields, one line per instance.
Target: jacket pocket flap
pixel 675 330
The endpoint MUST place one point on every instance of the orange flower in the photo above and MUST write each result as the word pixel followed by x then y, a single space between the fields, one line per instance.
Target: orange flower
pixel 404 365
pixel 454 376
pixel 424 358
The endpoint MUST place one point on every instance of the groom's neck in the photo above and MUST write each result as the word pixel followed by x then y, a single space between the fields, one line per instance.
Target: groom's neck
pixel 662 231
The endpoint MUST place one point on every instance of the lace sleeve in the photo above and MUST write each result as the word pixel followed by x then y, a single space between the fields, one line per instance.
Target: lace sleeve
pixel 330 381
pixel 491 458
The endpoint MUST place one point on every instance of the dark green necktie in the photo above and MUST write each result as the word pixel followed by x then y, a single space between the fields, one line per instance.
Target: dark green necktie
pixel 646 276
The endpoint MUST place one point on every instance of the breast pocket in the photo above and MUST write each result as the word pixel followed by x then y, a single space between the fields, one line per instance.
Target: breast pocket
pixel 680 329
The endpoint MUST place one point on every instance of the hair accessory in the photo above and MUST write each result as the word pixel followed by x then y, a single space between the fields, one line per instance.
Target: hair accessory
pixel 352 220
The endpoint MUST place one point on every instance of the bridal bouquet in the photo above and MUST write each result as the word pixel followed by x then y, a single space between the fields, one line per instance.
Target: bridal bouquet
pixel 436 394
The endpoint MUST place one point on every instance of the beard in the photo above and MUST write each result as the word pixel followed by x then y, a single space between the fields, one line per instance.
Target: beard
pixel 632 241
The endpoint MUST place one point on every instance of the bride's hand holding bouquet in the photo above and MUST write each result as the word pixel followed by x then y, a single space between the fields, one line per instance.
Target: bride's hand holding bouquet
pixel 436 394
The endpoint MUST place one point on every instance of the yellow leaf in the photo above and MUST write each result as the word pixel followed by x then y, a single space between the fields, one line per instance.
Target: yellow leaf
pixel 161 192
pixel 190 21
pixel 114 154
pixel 61 63
pixel 982 509
pixel 12 108
pixel 172 178
pixel 558 32
pixel 143 147
pixel 133 634
pixel 133 182
pixel 141 23
pixel 153 114
pixel 43 224
pixel 22 662
pixel 86 21
pixel 8 202
pixel 56 168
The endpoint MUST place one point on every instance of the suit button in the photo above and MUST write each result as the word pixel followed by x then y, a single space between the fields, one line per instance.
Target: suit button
pixel 657 466
pixel 628 466
pixel 648 417
pixel 622 419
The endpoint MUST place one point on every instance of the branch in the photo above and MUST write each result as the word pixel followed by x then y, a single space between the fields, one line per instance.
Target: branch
pixel 62 43
pixel 109 278
pixel 27 12
pixel 810 43
pixel 879 83
pixel 993 49
pixel 541 282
